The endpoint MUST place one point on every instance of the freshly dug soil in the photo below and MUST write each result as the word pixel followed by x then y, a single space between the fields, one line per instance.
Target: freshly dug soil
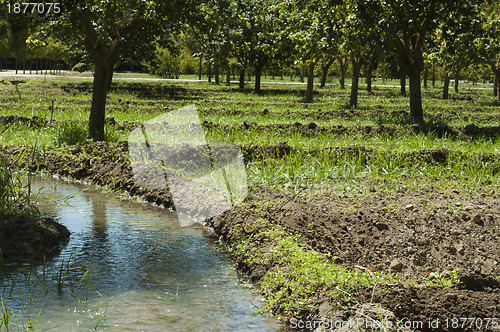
pixel 417 235
pixel 24 238
pixel 412 241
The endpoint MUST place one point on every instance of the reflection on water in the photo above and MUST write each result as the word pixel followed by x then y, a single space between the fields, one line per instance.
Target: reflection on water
pixel 145 272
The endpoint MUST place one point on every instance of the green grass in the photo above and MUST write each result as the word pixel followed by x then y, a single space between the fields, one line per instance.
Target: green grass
pixel 227 107
pixel 15 195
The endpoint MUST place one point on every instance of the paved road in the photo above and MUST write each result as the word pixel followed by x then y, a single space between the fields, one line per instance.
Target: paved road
pixel 12 76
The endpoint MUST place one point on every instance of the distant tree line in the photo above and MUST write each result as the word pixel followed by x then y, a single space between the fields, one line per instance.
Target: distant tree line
pixel 414 40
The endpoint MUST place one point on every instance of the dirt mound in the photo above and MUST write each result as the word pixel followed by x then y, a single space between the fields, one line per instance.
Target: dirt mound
pixel 25 238
pixel 33 122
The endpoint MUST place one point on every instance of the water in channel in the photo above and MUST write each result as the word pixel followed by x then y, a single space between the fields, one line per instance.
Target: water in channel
pixel 127 266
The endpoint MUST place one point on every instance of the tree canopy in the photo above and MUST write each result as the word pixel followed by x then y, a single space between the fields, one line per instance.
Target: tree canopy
pixel 253 35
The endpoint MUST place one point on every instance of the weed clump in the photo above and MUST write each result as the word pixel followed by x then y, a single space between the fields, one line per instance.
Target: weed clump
pixel 14 195
pixel 72 133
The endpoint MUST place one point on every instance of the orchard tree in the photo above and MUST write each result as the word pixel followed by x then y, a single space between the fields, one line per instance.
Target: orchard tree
pixel 452 52
pixel 18 28
pixel 110 30
pixel 4 39
pixel 410 22
pixel 212 34
pixel 312 28
pixel 486 44
pixel 363 39
pixel 254 36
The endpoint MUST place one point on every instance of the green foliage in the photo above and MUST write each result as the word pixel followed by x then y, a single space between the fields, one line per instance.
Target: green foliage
pixel 71 133
pixel 166 64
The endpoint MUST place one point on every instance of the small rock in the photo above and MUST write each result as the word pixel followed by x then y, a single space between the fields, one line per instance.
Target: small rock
pixel 410 207
pixel 478 220
pixel 450 296
pixel 452 250
pixel 381 226
pixel 455 191
pixel 396 265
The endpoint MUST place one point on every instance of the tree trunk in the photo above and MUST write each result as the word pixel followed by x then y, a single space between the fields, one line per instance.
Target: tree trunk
pixel 402 82
pixel 210 71
pixel 324 72
pixel 416 110
pixel 426 74
pixel 302 74
pixel 433 75
pixel 200 68
pixel 446 86
pixel 356 67
pixel 242 78
pixel 258 74
pixel 310 82
pixel 103 74
pixel 16 66
pixel 369 80
pixel 343 69
pixel 457 77
pixel 216 73
pixel 228 74
pixel 495 85
pixel 497 75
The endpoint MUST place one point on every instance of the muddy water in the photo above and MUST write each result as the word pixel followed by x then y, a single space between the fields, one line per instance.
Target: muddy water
pixel 145 272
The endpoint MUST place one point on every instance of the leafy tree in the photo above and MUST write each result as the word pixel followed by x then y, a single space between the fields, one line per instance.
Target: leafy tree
pixel 312 28
pixel 486 45
pixel 212 34
pixel 254 36
pixel 363 39
pixel 410 22
pixel 18 28
pixel 110 30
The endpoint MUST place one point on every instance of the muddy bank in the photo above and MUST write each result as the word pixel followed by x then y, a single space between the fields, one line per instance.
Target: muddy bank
pixel 26 238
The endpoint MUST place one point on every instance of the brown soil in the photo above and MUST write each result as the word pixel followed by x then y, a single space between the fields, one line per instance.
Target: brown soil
pixel 25 238
pixel 411 239
pixel 420 234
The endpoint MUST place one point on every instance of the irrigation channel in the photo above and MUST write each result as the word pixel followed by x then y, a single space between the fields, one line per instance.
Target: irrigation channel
pixel 127 266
